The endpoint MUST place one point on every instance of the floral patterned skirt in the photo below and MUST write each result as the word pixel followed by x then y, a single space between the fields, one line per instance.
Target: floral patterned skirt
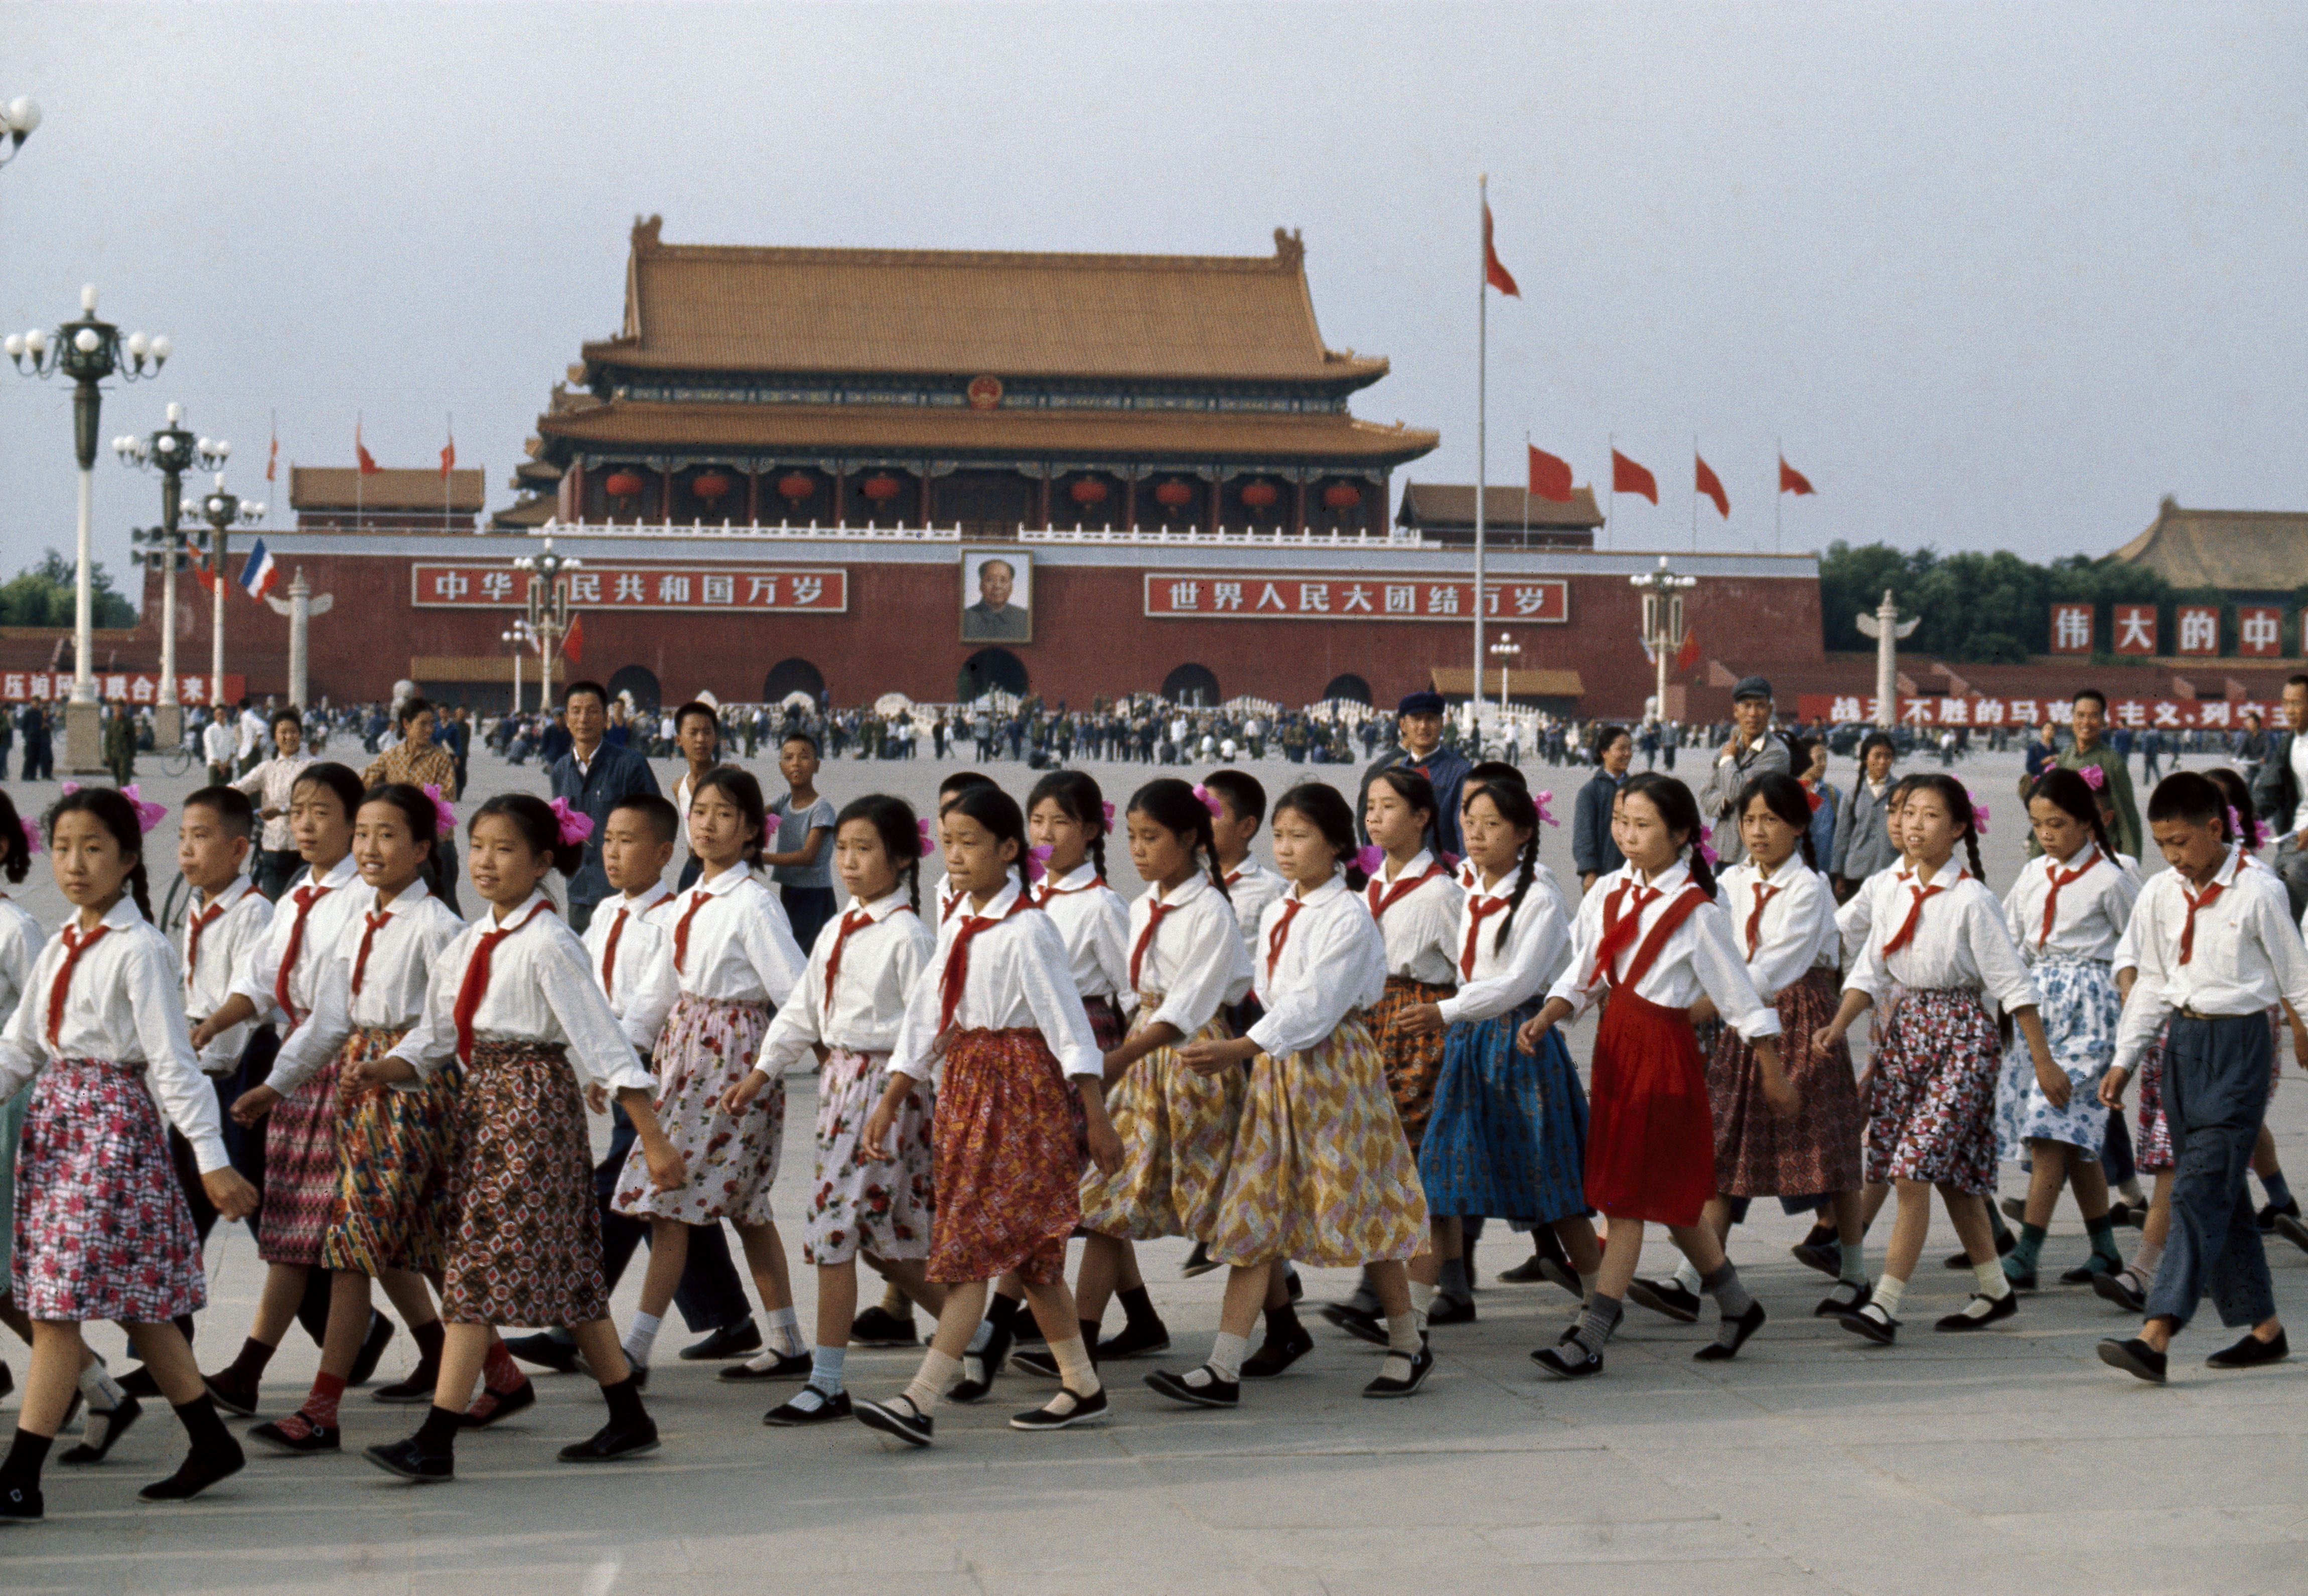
pixel 709 1047
pixel 883 1207
pixel 300 1172
pixel 1757 1154
pixel 2152 1149
pixel 1008 1170
pixel 395 1148
pixel 1321 1172
pixel 1509 1135
pixel 1930 1113
pixel 1413 1063
pixel 101 1228
pixel 1177 1130
pixel 12 1132
pixel 1650 1136
pixel 2080 1011
pixel 527 1245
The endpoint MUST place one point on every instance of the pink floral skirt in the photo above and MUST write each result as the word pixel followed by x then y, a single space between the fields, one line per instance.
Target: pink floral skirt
pixel 101 1228
pixel 884 1207
pixel 1009 1176
pixel 1930 1113
pixel 709 1047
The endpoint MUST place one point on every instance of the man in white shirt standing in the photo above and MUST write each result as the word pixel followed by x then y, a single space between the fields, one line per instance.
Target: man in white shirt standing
pixel 219 747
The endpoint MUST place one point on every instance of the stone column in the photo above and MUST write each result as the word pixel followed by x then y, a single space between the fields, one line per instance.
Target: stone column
pixel 300 607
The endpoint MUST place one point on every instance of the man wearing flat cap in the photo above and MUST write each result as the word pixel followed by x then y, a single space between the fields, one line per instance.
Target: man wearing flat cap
pixel 1418 744
pixel 1754 750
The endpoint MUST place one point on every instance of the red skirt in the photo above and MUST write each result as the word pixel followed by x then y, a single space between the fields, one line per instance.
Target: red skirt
pixel 1650 1136
pixel 1008 1176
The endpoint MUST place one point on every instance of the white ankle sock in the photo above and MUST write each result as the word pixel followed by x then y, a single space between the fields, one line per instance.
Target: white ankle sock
pixel 1993 1283
pixel 781 1331
pixel 1422 1301
pixel 1889 1289
pixel 937 1376
pixel 101 1390
pixel 1227 1353
pixel 640 1338
pixel 1076 1372
pixel 1686 1276
pixel 2147 1258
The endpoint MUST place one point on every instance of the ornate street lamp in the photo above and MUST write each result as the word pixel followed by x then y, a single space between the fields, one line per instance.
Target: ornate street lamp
pixel 18 118
pixel 548 607
pixel 1663 628
pixel 1506 648
pixel 520 640
pixel 223 512
pixel 172 451
pixel 87 351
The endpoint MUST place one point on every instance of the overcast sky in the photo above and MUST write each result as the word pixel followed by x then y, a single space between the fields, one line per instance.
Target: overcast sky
pixel 1999 275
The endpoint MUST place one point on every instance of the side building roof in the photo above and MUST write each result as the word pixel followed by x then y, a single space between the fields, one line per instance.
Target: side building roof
pixel 2247 551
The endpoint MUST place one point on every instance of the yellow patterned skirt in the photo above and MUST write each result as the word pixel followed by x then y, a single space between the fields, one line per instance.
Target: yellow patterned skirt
pixel 1320 1171
pixel 393 1208
pixel 1178 1130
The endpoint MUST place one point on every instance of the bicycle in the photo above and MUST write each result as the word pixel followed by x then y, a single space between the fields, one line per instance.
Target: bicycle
pixel 179 759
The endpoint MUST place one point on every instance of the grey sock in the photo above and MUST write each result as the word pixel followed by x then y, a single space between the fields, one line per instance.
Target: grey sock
pixel 1724 1286
pixel 1854 1261
pixel 1594 1325
pixel 1454 1283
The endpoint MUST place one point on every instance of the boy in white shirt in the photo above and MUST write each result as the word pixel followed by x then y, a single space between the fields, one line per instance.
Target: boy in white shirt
pixel 228 917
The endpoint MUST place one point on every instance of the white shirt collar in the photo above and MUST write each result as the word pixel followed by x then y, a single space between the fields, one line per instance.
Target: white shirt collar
pixel 489 921
pixel 408 897
pixel 1668 881
pixel 727 882
pixel 242 886
pixel 1412 871
pixel 2083 858
pixel 880 909
pixel 1335 887
pixel 341 874
pixel 120 917
pixel 648 898
pixel 1505 887
pixel 994 909
pixel 1079 877
pixel 1185 892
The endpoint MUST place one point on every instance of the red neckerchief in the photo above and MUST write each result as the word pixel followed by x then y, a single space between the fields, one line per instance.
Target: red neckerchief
pixel 1619 927
pixel 1401 889
pixel 1155 911
pixel 2053 874
pixel 375 922
pixel 306 896
pixel 1764 895
pixel 2211 895
pixel 60 988
pixel 1281 933
pixel 1908 928
pixel 475 984
pixel 856 919
pixel 956 975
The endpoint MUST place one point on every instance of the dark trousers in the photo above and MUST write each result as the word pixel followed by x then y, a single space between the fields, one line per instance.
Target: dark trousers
pixel 807 909
pixel 2116 1161
pixel 2215 1097
pixel 710 1295
pixel 2292 869
pixel 276 867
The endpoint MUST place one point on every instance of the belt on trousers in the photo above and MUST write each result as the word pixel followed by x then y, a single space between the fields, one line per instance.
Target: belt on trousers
pixel 2189 1013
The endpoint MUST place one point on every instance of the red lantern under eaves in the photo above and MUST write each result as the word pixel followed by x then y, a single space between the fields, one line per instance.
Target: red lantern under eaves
pixel 623 485
pixel 1342 495
pixel 880 489
pixel 709 486
pixel 793 488
pixel 1259 496
pixel 1089 490
pixel 1173 493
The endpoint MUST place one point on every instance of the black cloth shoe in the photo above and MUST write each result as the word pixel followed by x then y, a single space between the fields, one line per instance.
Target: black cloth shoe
pixel 544 1351
pixel 2252 1352
pixel 769 1366
pixel 297 1436
pixel 1136 1341
pixel 1557 1273
pixel 1999 1308
pixel 1843 1298
pixel 371 1351
pixel 1528 1272
pixel 1294 1287
pixel 1198 1262
pixel 2266 1217
pixel 1741 1328
pixel 2021 1282
pixel 1567 1359
pixel 1869 1321
pixel 1209 1393
pixel 2015 1208
pixel 1363 1327
pixel 1065 1410
pixel 2120 1287
pixel 1962 1260
pixel 2083 1273
pixel 613 1441
pixel 741 1340
pixel 1666 1296
pixel 94 1443
pixel 2288 1226
pixel 201 1470
pixel 2134 1357
pixel 1822 1256
pixel 23 1504
pixel 234 1394
pixel 1452 1310
pixel 898 1418
pixel 137 1381
pixel 808 1406
pixel 417 1388
pixel 1036 1361
pixel 2131 1215
pixel 1275 1355
pixel 877 1326
pixel 493 1407
pixel 1421 1366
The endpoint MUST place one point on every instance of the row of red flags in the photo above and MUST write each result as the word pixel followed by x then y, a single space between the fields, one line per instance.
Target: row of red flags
pixel 368 466
pixel 1550 474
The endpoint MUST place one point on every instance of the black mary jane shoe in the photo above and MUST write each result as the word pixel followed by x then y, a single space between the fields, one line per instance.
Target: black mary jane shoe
pixel 1666 1297
pixel 418 1388
pixel 1065 1410
pixel 501 1406
pixel 544 1351
pixel 412 1461
pixel 1741 1328
pixel 808 1406
pixel 1568 1361
pixel 307 1439
pixel 1422 1364
pixel 2135 1358
pixel 23 1504
pixel 1999 1308
pixel 741 1340
pixel 781 1366
pixel 92 1450
pixel 2252 1352
pixel 877 1326
pixel 1869 1323
pixel 1452 1310
pixel 1276 1354
pixel 2120 1287
pixel 898 1419
pixel 372 1350
pixel 1212 1392
pixel 612 1442
pixel 1136 1341
pixel 1844 1297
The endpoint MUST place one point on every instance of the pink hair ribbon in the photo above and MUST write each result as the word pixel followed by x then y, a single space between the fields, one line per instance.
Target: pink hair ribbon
pixel 445 818
pixel 32 839
pixel 1539 802
pixel 148 815
pixel 1369 858
pixel 1037 861
pixel 574 827
pixel 1209 799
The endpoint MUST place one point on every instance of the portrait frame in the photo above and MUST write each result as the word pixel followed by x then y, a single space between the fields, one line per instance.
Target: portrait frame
pixel 977 623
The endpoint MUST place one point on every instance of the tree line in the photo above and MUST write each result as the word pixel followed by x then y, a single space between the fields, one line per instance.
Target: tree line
pixel 42 595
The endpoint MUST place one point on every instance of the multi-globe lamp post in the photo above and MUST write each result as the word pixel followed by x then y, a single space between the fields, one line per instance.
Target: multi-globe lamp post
pixel 1663 625
pixel 87 350
pixel 18 118
pixel 171 451
pixel 222 511
pixel 547 619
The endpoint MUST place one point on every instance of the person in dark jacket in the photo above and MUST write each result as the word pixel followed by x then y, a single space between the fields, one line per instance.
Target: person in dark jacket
pixel 595 776
pixel 1418 744
pixel 1592 851
pixel 2276 792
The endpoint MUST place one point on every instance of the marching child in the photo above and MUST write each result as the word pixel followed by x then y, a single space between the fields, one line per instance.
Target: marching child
pixel 728 963
pixel 281 981
pixel 513 1003
pixel 103 1229
pixel 1320 1171
pixel 1651 935
pixel 1003 1023
pixel 1932 1113
pixel 2216 949
pixel 393 1205
pixel 2066 912
pixel 1185 965
pixel 847 1009
pixel 1250 885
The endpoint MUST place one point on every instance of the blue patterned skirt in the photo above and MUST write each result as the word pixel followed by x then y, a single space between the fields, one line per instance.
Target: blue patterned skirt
pixel 2080 1011
pixel 1508 1135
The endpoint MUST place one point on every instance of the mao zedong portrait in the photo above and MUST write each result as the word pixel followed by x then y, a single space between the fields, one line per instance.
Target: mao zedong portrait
pixel 994 618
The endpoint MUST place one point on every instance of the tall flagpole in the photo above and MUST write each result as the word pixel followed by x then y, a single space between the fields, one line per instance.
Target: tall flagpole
pixel 1481 437
pixel 1611 518
pixel 1779 447
pixel 1694 493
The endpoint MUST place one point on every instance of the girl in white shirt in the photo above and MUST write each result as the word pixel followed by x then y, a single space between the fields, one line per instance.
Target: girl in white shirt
pixel 996 1014
pixel 2066 912
pixel 514 1002
pixel 846 1010
pixel 1416 904
pixel 728 962
pixel 1783 921
pixel 1185 965
pixel 1932 1109
pixel 394 1206
pixel 1651 936
pixel 1321 1172
pixel 1509 1135
pixel 104 1229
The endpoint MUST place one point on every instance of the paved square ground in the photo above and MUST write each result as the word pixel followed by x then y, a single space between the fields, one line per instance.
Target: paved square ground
pixel 2011 1460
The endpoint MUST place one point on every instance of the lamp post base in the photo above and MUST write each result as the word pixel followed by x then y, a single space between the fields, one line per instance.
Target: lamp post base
pixel 167 726
pixel 84 740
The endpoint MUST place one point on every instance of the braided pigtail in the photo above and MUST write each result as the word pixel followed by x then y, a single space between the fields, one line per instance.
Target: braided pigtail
pixel 1529 861
pixel 1206 839
pixel 1971 854
pixel 1097 851
pixel 1701 873
pixel 139 887
pixel 914 885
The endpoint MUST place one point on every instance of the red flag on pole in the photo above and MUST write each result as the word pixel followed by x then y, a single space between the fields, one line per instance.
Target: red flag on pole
pixel 573 643
pixel 368 466
pixel 1496 275
pixel 272 460
pixel 1707 483
pixel 1687 655
pixel 1627 477
pixel 1792 480
pixel 1550 477
pixel 448 456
